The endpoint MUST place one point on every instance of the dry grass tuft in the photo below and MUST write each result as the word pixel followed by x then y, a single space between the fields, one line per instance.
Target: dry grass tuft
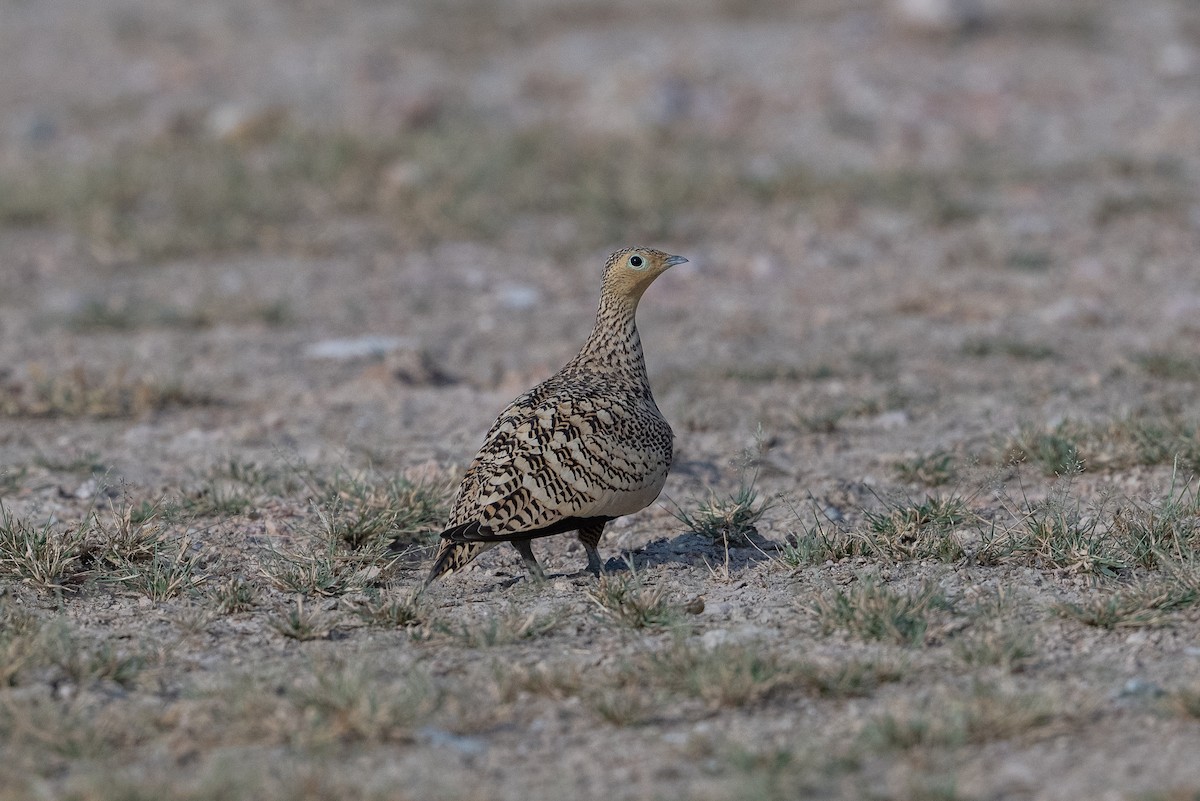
pixel 396 611
pixel 45 557
pixel 871 611
pixel 500 628
pixel 626 599
pixel 76 394
pixel 729 520
pixel 986 714
pixel 298 623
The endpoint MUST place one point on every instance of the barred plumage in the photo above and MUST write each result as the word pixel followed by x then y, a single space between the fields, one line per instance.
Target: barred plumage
pixel 583 447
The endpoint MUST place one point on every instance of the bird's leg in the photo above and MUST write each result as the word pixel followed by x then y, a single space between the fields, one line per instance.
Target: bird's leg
pixel 531 565
pixel 590 536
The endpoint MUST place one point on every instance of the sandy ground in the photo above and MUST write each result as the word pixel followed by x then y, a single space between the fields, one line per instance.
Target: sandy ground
pixel 915 231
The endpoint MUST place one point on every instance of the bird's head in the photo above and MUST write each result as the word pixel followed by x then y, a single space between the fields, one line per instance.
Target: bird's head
pixel 630 270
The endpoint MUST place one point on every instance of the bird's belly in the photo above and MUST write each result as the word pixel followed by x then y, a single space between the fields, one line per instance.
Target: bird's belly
pixel 624 502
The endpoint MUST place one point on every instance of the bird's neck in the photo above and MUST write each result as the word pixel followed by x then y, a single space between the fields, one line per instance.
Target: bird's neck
pixel 614 344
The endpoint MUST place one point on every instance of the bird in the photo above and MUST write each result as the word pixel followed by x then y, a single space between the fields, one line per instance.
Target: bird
pixel 584 447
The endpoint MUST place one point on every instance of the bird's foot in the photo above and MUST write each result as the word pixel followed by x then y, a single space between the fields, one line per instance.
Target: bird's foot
pixel 594 565
pixel 532 567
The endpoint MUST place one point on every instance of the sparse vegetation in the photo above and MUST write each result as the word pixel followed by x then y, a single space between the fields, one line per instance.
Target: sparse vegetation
pixel 11 478
pixel 1160 532
pixel 954 288
pixel 351 541
pixel 735 674
pixel 624 598
pixel 726 519
pixel 129 313
pixel 364 511
pixel 827 419
pixel 396 611
pixel 931 469
pixel 235 594
pixel 544 680
pixel 350 704
pixel 1056 452
pixel 78 394
pixel 1187 701
pixel 872 611
pixel 900 531
pixel 501 628
pixel 1148 604
pixel 173 569
pixel 214 499
pixel 626 705
pixel 45 556
pixel 919 530
pixel 298 623
pixel 1072 446
pixel 822 540
pixel 996 644
pixel 983 715
pixel 325 568
pixel 1016 348
pixel 723 676
pixel 1112 537
pixel 1175 366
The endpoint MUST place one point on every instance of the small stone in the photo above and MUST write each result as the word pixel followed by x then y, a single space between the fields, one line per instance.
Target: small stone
pixel 1176 60
pixel 1136 638
pixel 417 368
pixel 1141 688
pixel 938 16
pixel 896 418
pixel 519 297
pixel 357 348
pixel 243 126
pixel 440 738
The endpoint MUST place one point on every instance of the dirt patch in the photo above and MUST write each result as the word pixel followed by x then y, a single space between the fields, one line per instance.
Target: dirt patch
pixel 271 271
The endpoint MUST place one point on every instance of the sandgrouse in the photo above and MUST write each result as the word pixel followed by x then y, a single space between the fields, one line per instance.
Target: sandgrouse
pixel 583 447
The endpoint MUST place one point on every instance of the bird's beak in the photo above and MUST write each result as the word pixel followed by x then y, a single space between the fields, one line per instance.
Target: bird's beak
pixel 671 261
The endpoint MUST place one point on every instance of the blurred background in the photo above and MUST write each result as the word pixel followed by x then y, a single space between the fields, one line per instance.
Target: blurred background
pixel 320 223
pixel 270 268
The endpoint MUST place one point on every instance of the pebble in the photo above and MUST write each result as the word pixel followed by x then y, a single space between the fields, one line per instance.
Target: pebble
pixel 470 746
pixel 897 418
pixel 938 16
pixel 1175 60
pixel 715 638
pixel 1141 688
pixel 357 348
pixel 246 126
pixel 519 297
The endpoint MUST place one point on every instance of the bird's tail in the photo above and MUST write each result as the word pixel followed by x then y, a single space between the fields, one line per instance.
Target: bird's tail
pixel 452 556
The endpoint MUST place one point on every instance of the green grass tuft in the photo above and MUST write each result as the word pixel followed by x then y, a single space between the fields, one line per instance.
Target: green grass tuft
pixel 730 519
pixel 871 611
pixel 45 557
pixel 626 599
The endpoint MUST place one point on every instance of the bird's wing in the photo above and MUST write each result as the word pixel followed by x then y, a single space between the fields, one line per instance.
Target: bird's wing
pixel 552 457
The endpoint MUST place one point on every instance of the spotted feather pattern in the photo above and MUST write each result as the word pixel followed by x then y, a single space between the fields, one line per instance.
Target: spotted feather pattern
pixel 586 445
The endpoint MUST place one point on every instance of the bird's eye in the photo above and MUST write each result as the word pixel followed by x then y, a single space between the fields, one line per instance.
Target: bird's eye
pixel 637 262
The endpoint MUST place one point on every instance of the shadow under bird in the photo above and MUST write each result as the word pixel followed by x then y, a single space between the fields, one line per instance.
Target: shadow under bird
pixel 583 447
